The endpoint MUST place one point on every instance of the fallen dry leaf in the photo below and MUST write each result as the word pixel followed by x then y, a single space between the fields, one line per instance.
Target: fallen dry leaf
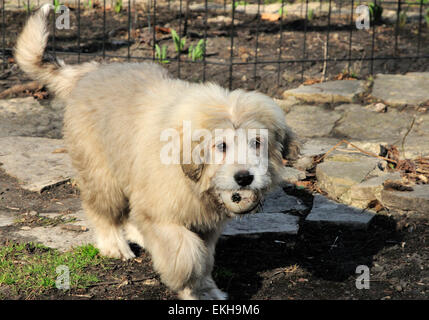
pixel 270 16
pixel 311 81
pixel 60 150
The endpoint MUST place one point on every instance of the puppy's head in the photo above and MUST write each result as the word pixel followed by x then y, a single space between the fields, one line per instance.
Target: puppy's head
pixel 238 142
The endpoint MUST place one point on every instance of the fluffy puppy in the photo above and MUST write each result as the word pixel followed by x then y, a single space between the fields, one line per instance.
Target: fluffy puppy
pixel 116 120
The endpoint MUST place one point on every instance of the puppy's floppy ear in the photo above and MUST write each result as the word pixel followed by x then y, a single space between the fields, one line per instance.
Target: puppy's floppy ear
pixel 193 171
pixel 290 146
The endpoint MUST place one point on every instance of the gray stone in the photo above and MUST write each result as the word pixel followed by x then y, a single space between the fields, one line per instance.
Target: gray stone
pixel 287 104
pixel 291 175
pixel 363 193
pixel 262 223
pixel 6 219
pixel 278 201
pixel 414 201
pixel 328 211
pixel 312 148
pixel 26 117
pixel 55 237
pixel 34 161
pixel 328 92
pixel 311 121
pixel 338 174
pixel 58 236
pixel 362 124
pixel 316 147
pixel 399 90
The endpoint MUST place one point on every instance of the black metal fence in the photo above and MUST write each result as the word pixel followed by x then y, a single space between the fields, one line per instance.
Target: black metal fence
pixel 253 43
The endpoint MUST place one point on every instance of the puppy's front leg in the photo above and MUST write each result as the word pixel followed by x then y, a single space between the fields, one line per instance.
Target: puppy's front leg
pixel 180 256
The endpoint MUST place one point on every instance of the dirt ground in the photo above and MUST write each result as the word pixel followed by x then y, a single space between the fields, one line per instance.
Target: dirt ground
pixel 319 263
pixel 271 78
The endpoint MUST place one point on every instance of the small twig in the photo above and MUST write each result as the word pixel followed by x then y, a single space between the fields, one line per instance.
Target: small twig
pixel 405 136
pixel 118 282
pixel 361 150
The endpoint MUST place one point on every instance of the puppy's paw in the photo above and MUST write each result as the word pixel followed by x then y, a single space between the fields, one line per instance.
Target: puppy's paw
pixel 132 234
pixel 187 294
pixel 213 294
pixel 218 294
pixel 202 294
pixel 118 249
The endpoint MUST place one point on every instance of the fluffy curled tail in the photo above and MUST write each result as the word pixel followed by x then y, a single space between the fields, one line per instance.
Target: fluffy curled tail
pixel 29 50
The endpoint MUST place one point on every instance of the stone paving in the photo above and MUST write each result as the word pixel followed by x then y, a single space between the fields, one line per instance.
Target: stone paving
pixel 31 150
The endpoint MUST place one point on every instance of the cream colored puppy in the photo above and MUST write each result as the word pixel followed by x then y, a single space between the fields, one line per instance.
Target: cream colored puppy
pixel 115 125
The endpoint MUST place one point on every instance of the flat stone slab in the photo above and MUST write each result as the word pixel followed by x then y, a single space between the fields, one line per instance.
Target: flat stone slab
pixel 337 175
pixel 328 92
pixel 311 121
pixel 363 193
pixel 363 124
pixel 36 162
pixel 26 117
pixel 327 211
pixel 6 219
pixel 262 223
pixel 278 201
pixel 415 201
pixel 59 237
pixel 399 90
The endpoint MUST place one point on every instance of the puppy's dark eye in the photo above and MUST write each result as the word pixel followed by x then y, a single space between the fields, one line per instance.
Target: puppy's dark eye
pixel 221 147
pixel 255 143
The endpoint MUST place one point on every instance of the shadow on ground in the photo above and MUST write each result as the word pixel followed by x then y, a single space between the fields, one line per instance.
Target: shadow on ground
pixel 323 252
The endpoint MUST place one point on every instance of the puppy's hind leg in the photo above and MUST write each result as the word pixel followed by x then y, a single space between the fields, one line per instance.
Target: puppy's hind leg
pixel 107 210
pixel 109 239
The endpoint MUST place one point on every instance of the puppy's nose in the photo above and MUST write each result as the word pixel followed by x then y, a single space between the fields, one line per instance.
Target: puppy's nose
pixel 243 178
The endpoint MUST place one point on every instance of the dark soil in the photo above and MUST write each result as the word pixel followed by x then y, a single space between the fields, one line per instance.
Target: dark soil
pixel 249 33
pixel 319 263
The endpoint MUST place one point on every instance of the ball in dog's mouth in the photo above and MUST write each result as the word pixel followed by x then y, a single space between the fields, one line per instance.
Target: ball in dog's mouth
pixel 240 201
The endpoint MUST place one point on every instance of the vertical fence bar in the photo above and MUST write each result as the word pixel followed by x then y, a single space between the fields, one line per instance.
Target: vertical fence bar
pixel 78 31
pixel 231 58
pixel 398 12
pixel 304 44
pixel 350 37
pixel 340 7
pixel 257 42
pixel 104 29
pixel 154 31
pixel 419 35
pixel 328 33
pixel 205 40
pixel 129 31
pixel 3 33
pixel 53 33
pixel 180 39
pixel 371 68
pixel 280 42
